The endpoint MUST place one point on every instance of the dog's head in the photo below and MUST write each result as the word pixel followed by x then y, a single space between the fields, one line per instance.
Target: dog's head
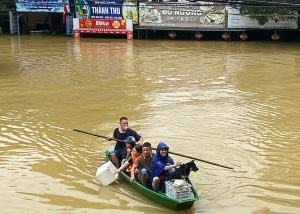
pixel 192 166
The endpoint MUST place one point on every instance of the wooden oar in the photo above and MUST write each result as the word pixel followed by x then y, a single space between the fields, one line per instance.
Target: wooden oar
pixel 105 137
pixel 174 153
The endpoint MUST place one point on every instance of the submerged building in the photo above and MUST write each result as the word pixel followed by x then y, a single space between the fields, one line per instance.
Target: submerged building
pixel 151 20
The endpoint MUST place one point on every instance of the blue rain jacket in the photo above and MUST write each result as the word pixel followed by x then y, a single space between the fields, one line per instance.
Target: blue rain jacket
pixel 159 162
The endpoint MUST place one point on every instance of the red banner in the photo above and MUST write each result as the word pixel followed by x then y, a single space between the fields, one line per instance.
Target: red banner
pixel 103 24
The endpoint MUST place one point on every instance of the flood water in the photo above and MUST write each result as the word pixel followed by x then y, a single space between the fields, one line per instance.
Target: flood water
pixel 231 103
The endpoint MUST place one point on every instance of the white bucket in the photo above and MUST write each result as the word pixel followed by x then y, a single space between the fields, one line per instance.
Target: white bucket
pixel 105 173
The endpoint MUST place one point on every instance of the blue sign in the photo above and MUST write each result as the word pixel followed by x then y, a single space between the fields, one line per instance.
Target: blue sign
pixel 52 6
pixel 69 24
pixel 107 9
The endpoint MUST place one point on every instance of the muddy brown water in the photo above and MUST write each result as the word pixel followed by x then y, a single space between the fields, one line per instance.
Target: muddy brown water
pixel 231 103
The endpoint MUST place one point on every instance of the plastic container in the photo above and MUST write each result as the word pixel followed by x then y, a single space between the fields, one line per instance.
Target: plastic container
pixel 105 173
pixel 179 193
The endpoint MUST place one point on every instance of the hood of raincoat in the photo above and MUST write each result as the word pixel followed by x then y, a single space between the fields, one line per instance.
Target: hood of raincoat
pixel 160 146
pixel 159 162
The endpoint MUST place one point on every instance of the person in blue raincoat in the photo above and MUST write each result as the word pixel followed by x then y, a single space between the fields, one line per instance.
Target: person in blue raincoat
pixel 162 166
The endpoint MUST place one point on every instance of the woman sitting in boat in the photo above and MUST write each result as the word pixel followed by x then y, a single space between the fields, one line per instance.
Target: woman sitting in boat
pixel 162 166
pixel 127 165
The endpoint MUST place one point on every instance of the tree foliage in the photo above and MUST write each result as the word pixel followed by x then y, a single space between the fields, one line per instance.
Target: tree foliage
pixel 2 6
pixel 7 4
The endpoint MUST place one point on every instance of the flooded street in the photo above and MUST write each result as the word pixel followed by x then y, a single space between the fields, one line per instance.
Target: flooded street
pixel 232 103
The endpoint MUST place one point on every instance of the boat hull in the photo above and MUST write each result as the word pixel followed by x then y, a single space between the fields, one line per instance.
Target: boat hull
pixel 159 198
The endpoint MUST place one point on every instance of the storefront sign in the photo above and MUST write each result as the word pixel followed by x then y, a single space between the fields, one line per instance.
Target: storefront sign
pixel 181 15
pixel 102 26
pixel 236 20
pixel 107 9
pixel 52 6
pixel 102 23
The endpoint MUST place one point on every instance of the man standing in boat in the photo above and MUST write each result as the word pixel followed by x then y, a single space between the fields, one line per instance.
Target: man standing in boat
pixel 121 133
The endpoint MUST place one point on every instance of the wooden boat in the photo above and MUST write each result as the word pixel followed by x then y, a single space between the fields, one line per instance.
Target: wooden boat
pixel 159 198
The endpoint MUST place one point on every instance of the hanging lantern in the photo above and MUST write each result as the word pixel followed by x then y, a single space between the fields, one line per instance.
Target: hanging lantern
pixel 244 36
pixel 172 34
pixel 198 35
pixel 275 37
pixel 226 36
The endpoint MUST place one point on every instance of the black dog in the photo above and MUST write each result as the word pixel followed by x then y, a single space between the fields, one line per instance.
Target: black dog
pixel 183 171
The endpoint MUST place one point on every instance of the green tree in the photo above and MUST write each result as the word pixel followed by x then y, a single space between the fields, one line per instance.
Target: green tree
pixel 7 5
pixel 2 6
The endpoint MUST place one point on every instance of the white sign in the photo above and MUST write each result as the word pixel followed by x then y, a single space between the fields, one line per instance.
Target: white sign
pixel 237 20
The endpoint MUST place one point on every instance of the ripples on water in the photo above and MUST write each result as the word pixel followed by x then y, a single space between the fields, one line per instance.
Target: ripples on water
pixel 236 104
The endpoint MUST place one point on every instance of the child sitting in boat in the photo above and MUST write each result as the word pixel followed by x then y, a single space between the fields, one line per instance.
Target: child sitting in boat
pixel 126 152
pixel 162 163
pixel 127 165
